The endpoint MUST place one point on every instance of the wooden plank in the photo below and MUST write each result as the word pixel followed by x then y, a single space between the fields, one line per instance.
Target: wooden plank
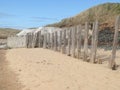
pixel 94 42
pixel 73 41
pixel 86 42
pixel 112 63
pixel 69 32
pixel 79 38
pixel 64 42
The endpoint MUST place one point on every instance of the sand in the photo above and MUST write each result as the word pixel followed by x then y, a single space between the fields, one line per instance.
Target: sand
pixel 42 69
pixel 8 79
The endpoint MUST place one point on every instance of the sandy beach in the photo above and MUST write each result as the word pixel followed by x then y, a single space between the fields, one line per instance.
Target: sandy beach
pixel 42 69
pixel 8 78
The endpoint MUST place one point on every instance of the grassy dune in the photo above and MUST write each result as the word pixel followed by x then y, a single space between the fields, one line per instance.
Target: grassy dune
pixel 5 32
pixel 105 13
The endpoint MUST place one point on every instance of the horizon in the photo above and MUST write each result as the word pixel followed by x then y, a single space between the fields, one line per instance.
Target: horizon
pixel 28 14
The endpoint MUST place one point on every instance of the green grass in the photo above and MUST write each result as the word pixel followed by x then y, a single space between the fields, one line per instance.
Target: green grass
pixel 104 13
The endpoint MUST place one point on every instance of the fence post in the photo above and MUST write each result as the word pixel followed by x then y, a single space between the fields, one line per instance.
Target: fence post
pixel 73 41
pixel 86 42
pixel 45 41
pixel 55 40
pixel 94 42
pixel 27 40
pixel 64 42
pixel 79 38
pixel 69 42
pixel 112 63
pixel 39 39
pixel 34 39
pixel 48 40
pixel 60 40
pixel 31 39
pixel 52 40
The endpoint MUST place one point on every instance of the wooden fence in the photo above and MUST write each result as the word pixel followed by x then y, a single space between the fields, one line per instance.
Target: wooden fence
pixel 71 41
pixel 16 42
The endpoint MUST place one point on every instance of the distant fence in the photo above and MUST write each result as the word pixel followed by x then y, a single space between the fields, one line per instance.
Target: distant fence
pixel 16 42
pixel 70 41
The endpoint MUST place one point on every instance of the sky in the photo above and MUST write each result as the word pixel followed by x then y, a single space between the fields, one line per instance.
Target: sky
pixel 36 13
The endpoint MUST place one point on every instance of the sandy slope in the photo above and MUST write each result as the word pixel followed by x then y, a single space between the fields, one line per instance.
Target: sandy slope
pixel 41 69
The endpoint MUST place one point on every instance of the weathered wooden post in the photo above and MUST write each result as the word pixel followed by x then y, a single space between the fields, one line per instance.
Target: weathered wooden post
pixel 112 63
pixel 69 42
pixel 73 41
pixel 52 41
pixel 32 36
pixel 94 42
pixel 60 41
pixel 86 42
pixel 31 39
pixel 42 40
pixel 39 39
pixel 45 41
pixel 34 40
pixel 79 38
pixel 55 40
pixel 64 42
pixel 27 40
pixel 48 40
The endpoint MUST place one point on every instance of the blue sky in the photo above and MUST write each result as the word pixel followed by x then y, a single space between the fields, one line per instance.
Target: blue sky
pixel 36 13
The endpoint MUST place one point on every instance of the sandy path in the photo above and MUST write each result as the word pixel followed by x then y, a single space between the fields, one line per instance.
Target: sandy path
pixel 41 69
pixel 8 79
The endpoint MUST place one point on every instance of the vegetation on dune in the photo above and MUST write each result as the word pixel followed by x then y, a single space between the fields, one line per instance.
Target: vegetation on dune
pixel 104 13
pixel 5 32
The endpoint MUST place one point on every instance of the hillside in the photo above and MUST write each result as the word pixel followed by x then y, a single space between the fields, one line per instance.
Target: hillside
pixel 105 13
pixel 5 32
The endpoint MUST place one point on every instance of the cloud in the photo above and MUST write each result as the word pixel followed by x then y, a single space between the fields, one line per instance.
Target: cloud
pixel 12 26
pixel 5 15
pixel 43 19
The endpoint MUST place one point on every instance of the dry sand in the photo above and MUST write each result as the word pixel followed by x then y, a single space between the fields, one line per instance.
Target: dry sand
pixel 8 79
pixel 42 69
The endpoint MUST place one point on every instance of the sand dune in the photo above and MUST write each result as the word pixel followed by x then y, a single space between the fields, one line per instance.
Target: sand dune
pixel 42 69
